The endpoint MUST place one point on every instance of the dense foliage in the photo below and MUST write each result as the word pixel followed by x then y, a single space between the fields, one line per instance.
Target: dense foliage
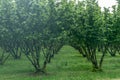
pixel 39 29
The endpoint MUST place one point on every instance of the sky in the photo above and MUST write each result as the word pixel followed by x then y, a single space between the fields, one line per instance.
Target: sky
pixel 107 3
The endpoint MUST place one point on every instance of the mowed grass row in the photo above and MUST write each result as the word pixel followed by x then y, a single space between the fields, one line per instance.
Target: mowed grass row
pixel 68 64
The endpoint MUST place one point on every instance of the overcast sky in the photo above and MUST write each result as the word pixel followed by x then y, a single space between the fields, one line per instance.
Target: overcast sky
pixel 104 3
pixel 107 3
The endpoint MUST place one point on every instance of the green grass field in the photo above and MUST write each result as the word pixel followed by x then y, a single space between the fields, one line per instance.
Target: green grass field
pixel 67 65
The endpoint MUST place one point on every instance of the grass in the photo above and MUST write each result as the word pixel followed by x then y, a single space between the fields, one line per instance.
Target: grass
pixel 67 65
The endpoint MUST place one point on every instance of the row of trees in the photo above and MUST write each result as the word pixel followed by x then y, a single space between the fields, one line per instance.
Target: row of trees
pixel 30 27
pixel 96 32
pixel 39 29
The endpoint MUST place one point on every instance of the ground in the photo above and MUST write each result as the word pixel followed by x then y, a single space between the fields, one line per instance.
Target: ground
pixel 68 64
